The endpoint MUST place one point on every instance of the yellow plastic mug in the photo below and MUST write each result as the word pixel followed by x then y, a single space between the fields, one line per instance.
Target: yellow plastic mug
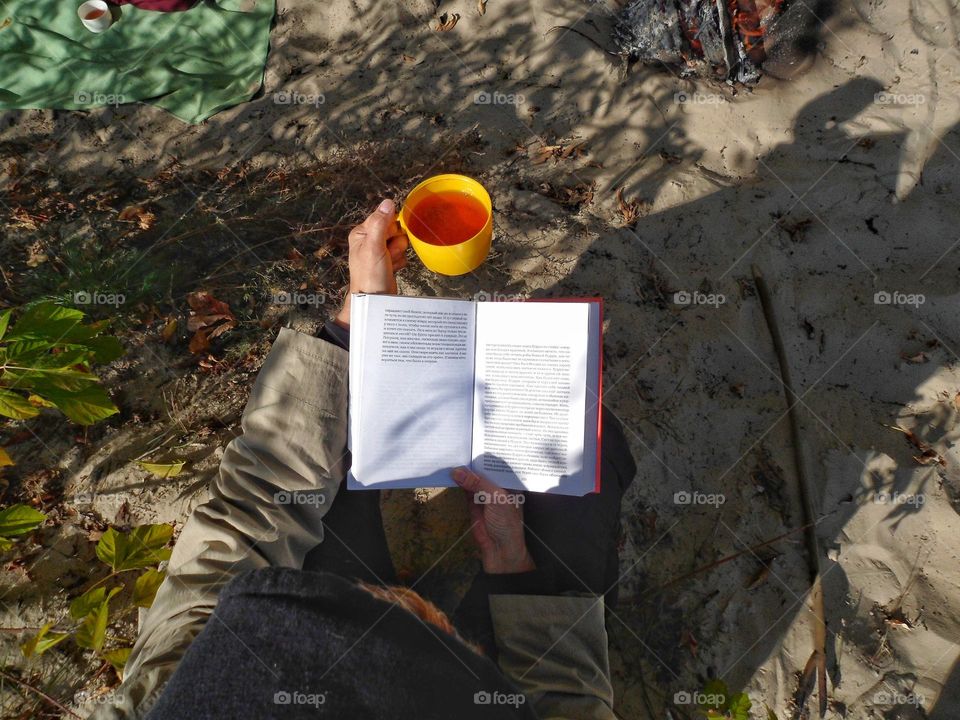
pixel 450 259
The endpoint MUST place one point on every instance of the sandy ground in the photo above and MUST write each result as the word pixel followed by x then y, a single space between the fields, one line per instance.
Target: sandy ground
pixel 835 192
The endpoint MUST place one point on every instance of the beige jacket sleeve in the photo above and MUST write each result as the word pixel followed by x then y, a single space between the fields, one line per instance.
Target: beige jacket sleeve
pixel 294 441
pixel 554 648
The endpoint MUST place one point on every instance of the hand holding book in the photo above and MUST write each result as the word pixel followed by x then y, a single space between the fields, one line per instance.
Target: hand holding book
pixel 496 518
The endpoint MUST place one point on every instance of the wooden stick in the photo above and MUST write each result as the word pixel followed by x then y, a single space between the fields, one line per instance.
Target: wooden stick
pixel 716 563
pixel 817 664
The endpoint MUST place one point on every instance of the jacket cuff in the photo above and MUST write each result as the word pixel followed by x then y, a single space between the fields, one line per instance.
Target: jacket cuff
pixel 333 333
pixel 536 582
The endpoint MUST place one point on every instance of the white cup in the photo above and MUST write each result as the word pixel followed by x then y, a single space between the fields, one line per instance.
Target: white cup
pixel 95 15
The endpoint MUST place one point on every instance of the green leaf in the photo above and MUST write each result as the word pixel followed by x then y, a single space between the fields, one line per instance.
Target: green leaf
pixel 48 321
pixel 118 658
pixel 146 586
pixel 771 715
pixel 19 520
pixel 164 470
pixel 93 630
pixel 85 406
pixel 42 641
pixel 739 707
pixel 4 322
pixel 105 348
pixel 81 606
pixel 141 547
pixel 716 695
pixel 16 407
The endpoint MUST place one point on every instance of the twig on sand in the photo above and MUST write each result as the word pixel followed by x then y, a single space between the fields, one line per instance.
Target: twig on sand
pixel 41 693
pixel 722 561
pixel 583 35
pixel 816 667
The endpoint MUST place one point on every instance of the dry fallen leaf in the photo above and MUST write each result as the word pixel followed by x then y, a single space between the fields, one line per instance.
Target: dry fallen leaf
pixel 138 214
pixel 481 7
pixel 206 310
pixel 199 343
pixel 5 459
pixel 927 455
pixel 918 359
pixel 209 318
pixel 169 328
pixel 629 209
pixel 447 21
pixel 23 218
pixel 35 254
pixel 545 152
pixel 759 577
pixel 295 258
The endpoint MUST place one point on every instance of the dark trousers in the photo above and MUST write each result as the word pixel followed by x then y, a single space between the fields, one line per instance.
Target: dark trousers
pixel 575 538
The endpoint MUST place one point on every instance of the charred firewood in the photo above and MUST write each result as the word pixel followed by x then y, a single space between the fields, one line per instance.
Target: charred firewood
pixel 724 39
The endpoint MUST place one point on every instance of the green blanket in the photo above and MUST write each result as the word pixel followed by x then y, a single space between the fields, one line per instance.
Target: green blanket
pixel 192 63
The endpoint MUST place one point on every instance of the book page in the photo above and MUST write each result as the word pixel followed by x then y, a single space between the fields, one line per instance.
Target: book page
pixel 530 395
pixel 411 396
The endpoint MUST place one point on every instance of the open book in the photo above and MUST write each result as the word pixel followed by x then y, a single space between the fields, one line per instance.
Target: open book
pixel 509 389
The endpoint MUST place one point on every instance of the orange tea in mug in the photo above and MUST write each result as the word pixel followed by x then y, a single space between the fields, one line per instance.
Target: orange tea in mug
pixel 449 220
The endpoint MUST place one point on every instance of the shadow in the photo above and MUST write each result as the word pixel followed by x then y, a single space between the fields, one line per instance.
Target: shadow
pixel 852 356
pixel 694 384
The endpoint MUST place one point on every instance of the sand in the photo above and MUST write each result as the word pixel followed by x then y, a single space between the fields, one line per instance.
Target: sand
pixel 839 183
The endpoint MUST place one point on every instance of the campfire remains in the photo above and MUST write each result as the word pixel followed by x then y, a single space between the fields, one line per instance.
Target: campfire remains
pixel 732 40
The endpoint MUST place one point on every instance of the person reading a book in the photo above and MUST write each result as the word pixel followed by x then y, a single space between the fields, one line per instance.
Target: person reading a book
pixel 280 597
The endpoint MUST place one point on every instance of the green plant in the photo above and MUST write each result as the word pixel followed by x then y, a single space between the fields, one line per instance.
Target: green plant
pixel 718 703
pixel 91 614
pixel 17 520
pixel 45 361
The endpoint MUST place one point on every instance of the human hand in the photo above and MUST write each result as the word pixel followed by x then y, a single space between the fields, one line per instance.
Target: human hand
pixel 497 524
pixel 377 252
